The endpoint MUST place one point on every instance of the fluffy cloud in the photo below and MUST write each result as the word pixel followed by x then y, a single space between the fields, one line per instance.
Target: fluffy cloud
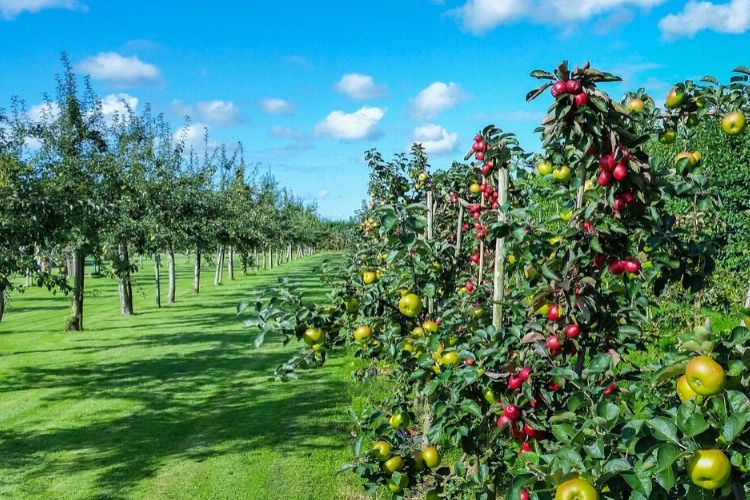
pixel 323 194
pixel 10 9
pixel 732 17
pixel 216 112
pixel 480 16
pixel 435 139
pixel 44 112
pixel 118 104
pixel 437 97
pixel 360 87
pixel 193 136
pixel 119 70
pixel 276 106
pixel 361 124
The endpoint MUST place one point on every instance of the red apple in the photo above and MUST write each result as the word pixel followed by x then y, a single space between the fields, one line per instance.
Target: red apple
pixel 559 87
pixel 616 267
pixel 512 412
pixel 525 447
pixel 632 265
pixel 604 178
pixel 478 138
pixel 524 495
pixel 553 343
pixel 525 373
pixel 609 390
pixel 572 331
pixel 588 227
pixel 554 387
pixel 573 86
pixel 514 382
pixel 619 204
pixel 479 156
pixel 628 197
pixel 620 171
pixel 528 430
pixel 502 421
pixel 582 99
pixel 607 162
pixel 554 312
pixel 599 260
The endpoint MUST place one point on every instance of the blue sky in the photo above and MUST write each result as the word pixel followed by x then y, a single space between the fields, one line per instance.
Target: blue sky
pixel 308 86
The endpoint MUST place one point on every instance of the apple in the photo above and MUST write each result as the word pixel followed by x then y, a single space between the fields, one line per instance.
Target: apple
pixel 369 277
pixel 617 267
pixel 475 188
pixel 479 156
pixel 572 331
pixel 554 387
pixel 431 457
pixel 684 392
pixel 529 431
pixel 399 420
pixel 449 358
pixel 733 123
pixel 692 121
pixel 393 464
pixel 599 260
pixel 525 447
pixel 430 326
pixel 675 98
pixel 709 469
pixel 576 489
pixel 559 87
pixel 607 162
pixel 362 333
pixel 554 312
pixel 573 86
pixel 502 421
pixel 418 460
pixel 628 197
pixel 553 343
pixel 692 159
pixel 512 411
pixel 561 173
pixel 581 99
pixel 489 396
pixel 620 171
pixel 636 105
pixel 381 450
pixel 351 305
pixel 422 177
pixel 566 215
pixel 544 168
pixel 479 147
pixel 588 227
pixel 604 178
pixel 525 373
pixel 478 138
pixel 705 376
pixel 514 382
pixel 410 305
pixel 397 487
pixel 477 312
pixel 632 266
pixel 313 336
pixel 668 136
pixel 609 390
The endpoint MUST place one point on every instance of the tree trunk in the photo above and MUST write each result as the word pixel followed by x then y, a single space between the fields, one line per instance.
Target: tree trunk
pixel 230 264
pixel 75 323
pixel 270 257
pixel 197 272
pixel 157 279
pixel 171 275
pixel 126 290
pixel 747 298
pixel 219 266
pixel 2 303
pixel 243 258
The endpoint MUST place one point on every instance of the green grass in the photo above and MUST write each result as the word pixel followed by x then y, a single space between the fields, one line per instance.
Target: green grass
pixel 170 403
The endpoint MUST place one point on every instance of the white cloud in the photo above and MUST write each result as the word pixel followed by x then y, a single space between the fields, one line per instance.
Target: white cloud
pixel 435 98
pixel 119 70
pixel 285 132
pixel 193 136
pixel 118 104
pixel 360 124
pixel 323 194
pixel 44 112
pixel 10 9
pixel 480 16
pixel 360 87
pixel 435 139
pixel 276 106
pixel 732 18
pixel 218 113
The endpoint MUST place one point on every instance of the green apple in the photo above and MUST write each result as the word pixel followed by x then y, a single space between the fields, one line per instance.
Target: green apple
pixel 675 98
pixel 544 168
pixel 410 305
pixel 561 173
pixel 733 123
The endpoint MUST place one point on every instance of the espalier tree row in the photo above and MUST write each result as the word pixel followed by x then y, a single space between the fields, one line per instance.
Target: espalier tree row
pixel 505 307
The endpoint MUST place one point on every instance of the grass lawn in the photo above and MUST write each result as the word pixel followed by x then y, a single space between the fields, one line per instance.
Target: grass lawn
pixel 170 403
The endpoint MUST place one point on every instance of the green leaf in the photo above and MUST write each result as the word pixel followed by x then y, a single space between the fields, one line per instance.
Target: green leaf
pixel 595 450
pixel 734 426
pixel 616 466
pixel 571 457
pixel 471 407
pixel 690 421
pixel 608 411
pixel 663 429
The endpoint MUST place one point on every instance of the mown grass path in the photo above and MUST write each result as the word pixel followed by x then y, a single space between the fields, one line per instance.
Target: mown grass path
pixel 170 403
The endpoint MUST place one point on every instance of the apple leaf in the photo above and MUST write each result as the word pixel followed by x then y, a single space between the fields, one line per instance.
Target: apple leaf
pixel 542 74
pixel 734 426
pixel 663 429
pixel 690 421
pixel 536 93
